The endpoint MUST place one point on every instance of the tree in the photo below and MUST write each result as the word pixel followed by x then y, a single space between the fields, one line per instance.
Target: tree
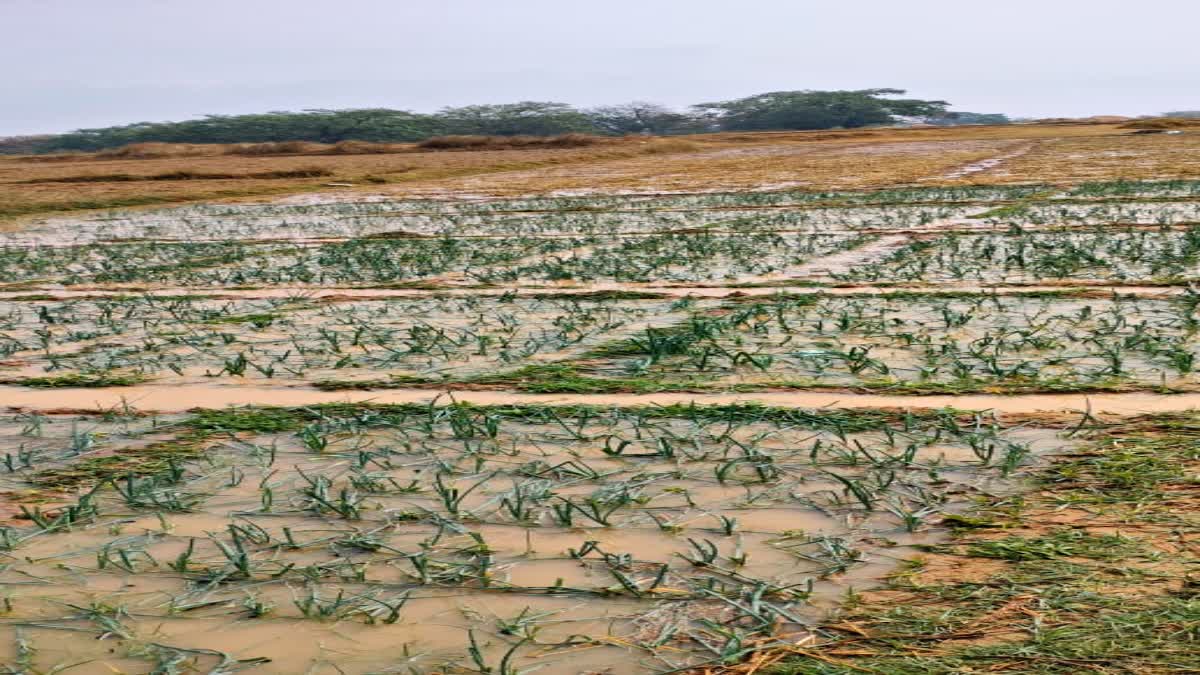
pixel 23 145
pixel 532 118
pixel 949 119
pixel 640 117
pixel 784 110
pixel 321 126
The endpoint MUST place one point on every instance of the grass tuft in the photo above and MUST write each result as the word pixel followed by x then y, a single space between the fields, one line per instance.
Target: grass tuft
pixel 1069 588
pixel 87 380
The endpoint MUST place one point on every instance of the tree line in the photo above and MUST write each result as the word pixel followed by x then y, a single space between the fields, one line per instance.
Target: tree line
pixel 782 110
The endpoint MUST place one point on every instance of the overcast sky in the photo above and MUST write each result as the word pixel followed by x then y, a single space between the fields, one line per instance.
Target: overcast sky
pixel 66 64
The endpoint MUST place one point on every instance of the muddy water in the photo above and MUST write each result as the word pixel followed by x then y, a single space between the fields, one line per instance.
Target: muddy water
pixel 175 398
pixel 891 330
pixel 79 602
pixel 475 338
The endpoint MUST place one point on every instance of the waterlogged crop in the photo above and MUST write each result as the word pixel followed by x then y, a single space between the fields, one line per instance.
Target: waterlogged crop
pixel 672 536
pixel 917 342
pixel 294 338
pixel 1029 256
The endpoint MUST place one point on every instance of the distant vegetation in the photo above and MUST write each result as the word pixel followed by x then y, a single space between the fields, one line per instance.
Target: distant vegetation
pixel 785 110
pixel 957 118
pixel 23 145
pixel 817 110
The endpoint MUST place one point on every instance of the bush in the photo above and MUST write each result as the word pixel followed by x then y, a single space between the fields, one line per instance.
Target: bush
pixel 158 151
pixel 366 148
pixel 1162 123
pixel 186 174
pixel 275 148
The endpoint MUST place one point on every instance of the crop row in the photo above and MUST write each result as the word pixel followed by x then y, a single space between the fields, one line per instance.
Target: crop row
pixel 692 257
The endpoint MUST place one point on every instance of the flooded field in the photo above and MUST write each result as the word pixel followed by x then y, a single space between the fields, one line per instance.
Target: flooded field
pixel 638 433
pixel 634 538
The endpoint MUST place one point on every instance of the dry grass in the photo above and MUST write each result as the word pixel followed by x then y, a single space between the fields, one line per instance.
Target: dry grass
pixel 815 165
pixel 877 158
pixel 856 160
pixel 31 186
pixel 1117 156
pixel 367 148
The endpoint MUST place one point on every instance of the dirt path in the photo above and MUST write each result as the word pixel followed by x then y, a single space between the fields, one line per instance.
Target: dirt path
pixel 1082 288
pixel 984 165
pixel 175 398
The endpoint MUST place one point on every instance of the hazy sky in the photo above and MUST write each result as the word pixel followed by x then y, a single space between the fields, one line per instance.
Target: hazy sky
pixel 66 64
